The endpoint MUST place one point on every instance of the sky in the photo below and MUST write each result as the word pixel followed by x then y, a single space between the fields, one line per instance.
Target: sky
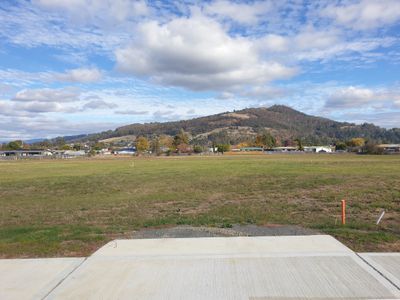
pixel 80 66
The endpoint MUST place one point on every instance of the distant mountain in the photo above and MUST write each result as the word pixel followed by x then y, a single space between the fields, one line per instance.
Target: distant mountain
pixel 281 121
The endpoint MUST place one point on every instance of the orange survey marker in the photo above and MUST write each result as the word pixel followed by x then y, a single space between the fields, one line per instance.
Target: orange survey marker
pixel 343 212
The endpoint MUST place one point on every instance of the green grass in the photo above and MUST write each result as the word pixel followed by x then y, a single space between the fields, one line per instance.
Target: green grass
pixel 69 208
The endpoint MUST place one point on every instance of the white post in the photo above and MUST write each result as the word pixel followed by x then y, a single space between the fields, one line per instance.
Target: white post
pixel 380 217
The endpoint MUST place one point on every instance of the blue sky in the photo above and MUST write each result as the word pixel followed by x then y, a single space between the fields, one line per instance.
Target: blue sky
pixel 79 66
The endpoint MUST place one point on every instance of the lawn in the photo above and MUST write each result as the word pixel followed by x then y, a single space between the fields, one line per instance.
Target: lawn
pixel 71 207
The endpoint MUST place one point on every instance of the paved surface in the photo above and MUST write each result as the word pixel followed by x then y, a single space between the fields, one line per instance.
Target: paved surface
pixel 257 268
pixel 388 264
pixel 33 278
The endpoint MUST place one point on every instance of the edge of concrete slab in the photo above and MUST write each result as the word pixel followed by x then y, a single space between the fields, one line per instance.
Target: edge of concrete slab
pixel 260 245
pixel 56 270
pixel 368 258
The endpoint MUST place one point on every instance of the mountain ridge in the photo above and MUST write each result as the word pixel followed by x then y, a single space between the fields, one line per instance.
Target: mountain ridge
pixel 281 121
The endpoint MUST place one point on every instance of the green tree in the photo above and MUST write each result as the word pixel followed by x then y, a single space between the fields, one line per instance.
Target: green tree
pixel 66 147
pixel 14 145
pixel 222 148
pixel 340 146
pixel 299 144
pixel 181 138
pixel 197 149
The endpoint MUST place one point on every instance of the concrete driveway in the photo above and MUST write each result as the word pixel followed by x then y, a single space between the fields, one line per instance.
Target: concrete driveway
pixel 263 267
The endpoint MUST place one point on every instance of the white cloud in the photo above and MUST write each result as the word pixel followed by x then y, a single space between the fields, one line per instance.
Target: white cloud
pixel 82 75
pixel 359 97
pixel 99 104
pixel 245 13
pixel 25 127
pixel 131 112
pixel 97 12
pixel 48 95
pixel 365 14
pixel 198 54
pixel 274 43
pixel 42 107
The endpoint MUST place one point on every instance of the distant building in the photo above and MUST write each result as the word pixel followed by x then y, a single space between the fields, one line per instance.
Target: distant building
pixel 283 149
pixel 246 149
pixel 318 149
pixel 390 148
pixel 26 153
pixel 125 151
pixel 73 153
pixel 104 151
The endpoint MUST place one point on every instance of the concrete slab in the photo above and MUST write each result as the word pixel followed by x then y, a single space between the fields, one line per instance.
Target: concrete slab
pixel 386 263
pixel 228 246
pixel 33 278
pixel 294 267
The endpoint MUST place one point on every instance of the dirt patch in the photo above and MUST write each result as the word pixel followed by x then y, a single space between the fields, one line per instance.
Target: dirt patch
pixel 236 230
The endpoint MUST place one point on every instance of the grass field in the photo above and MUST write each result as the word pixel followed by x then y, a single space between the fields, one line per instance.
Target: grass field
pixel 71 207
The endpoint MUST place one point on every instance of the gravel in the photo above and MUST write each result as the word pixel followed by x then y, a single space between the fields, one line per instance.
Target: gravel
pixel 236 230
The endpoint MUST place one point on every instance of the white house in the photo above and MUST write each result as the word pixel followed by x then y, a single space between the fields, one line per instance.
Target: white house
pixel 318 149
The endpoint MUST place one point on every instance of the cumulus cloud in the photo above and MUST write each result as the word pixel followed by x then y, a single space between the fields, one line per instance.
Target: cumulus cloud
pixel 42 107
pixel 82 75
pixel 365 14
pixel 33 108
pixel 358 97
pixel 198 54
pixel 48 95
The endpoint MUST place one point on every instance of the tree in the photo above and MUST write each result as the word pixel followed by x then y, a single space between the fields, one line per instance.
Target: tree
pixel 221 148
pixel 243 145
pixel 155 146
pixel 166 141
pixel 14 145
pixel 299 144
pixel 371 147
pixel 142 144
pixel 181 138
pixel 98 146
pixel 59 142
pixel 66 147
pixel 265 140
pixel 356 142
pixel 340 146
pixel 197 149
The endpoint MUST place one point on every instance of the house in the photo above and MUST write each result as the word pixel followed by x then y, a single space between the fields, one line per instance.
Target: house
pixel 284 149
pixel 73 153
pixel 318 149
pixel 125 151
pixel 252 149
pixel 390 148
pixel 104 151
pixel 26 153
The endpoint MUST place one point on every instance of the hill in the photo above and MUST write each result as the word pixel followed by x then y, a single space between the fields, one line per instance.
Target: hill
pixel 281 121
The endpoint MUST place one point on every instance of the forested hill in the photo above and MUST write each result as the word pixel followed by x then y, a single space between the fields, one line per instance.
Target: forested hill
pixel 281 121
